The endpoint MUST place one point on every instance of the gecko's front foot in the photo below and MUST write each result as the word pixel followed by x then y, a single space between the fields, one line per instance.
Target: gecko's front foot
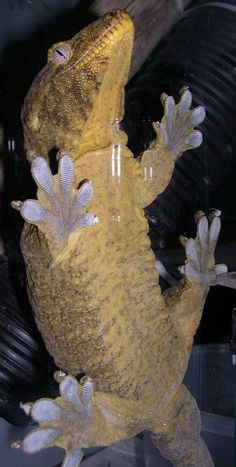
pixel 60 208
pixel 65 422
pixel 200 264
pixel 175 134
pixel 177 125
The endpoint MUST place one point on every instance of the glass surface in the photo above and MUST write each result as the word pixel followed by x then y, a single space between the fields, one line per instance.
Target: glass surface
pixel 198 52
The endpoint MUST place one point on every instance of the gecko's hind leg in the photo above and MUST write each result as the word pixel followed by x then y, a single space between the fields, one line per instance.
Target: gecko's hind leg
pixel 81 418
pixel 65 422
pixel 185 300
pixel 179 440
pixel 200 265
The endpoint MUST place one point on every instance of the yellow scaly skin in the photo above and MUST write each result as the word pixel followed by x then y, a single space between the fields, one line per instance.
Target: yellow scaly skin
pixel 95 292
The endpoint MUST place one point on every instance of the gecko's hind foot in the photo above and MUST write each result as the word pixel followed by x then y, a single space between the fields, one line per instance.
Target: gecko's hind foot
pixel 200 264
pixel 177 126
pixel 65 422
pixel 60 208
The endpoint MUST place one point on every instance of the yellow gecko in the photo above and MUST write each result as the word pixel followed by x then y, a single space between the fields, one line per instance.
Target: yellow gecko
pixel 91 273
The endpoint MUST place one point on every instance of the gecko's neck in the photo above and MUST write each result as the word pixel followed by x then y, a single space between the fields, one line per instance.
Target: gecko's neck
pixel 103 123
pixel 103 136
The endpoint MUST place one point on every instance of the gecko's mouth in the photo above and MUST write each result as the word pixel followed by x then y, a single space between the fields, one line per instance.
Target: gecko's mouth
pixel 117 23
pixel 101 38
pixel 108 60
pixel 118 17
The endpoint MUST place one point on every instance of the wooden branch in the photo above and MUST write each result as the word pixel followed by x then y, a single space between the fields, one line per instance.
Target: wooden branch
pixel 152 19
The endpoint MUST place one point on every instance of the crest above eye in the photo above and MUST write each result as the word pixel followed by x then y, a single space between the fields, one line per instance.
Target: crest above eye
pixel 60 53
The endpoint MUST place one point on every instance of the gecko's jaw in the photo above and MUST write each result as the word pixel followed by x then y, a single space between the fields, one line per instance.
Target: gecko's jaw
pixel 100 39
pixel 120 34
pixel 119 25
pixel 110 57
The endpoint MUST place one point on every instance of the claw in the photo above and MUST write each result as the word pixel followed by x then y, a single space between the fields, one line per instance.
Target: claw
pixel 200 265
pixel 177 125
pixel 183 240
pixel 59 210
pixel 214 213
pixel 198 214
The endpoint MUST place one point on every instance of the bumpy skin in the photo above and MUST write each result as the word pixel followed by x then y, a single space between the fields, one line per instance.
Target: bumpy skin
pixel 94 287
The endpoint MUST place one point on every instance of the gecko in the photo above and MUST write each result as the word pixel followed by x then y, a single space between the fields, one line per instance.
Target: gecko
pixel 121 345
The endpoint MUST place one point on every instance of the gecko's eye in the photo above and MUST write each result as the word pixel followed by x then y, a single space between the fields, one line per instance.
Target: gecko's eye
pixel 60 54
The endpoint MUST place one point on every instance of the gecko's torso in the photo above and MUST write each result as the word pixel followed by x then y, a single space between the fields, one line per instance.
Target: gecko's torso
pixel 103 320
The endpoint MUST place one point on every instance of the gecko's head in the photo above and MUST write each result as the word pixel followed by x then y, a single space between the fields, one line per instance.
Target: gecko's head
pixel 81 89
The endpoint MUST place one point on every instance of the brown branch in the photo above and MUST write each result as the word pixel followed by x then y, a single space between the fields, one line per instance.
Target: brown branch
pixel 152 19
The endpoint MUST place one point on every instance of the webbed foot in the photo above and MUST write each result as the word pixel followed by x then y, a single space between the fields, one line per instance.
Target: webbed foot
pixel 60 208
pixel 200 264
pixel 177 126
pixel 65 422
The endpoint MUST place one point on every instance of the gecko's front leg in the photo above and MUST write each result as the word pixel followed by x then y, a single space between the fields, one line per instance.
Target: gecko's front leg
pixel 60 208
pixel 175 134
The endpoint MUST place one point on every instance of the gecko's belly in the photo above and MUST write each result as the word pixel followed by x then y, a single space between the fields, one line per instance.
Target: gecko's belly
pixel 102 313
